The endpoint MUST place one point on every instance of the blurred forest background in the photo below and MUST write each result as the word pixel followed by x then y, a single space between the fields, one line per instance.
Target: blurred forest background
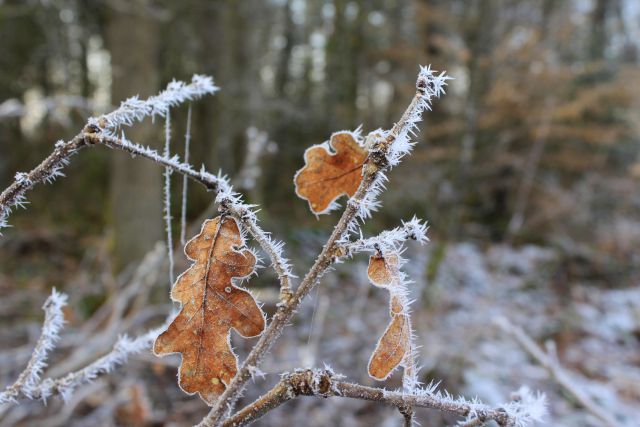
pixel 528 172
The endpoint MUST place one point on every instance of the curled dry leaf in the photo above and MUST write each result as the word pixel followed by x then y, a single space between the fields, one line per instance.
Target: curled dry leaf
pixel 326 176
pixel 394 347
pixel 211 306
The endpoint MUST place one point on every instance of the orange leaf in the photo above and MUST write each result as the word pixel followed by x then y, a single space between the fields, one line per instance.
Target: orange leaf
pixel 391 348
pixel 211 306
pixel 394 345
pixel 382 270
pixel 326 176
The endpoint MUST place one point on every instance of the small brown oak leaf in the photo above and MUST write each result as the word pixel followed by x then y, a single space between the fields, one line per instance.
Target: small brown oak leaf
pixel 328 175
pixel 211 306
pixel 395 343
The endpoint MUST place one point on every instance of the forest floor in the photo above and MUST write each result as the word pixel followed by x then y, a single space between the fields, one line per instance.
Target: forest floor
pixel 461 291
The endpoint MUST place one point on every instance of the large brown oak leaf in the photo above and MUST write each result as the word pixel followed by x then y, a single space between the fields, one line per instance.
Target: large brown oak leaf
pixel 326 176
pixel 211 306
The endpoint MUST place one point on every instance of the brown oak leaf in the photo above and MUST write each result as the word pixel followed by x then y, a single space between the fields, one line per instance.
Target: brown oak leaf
pixel 328 175
pixel 211 306
pixel 394 347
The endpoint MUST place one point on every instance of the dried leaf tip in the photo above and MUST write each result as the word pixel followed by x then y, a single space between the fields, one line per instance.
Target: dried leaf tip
pixel 212 304
pixel 332 169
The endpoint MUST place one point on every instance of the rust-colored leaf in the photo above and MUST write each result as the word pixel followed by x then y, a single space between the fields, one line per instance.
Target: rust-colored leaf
pixel 211 306
pixel 382 270
pixel 395 344
pixel 326 176
pixel 391 348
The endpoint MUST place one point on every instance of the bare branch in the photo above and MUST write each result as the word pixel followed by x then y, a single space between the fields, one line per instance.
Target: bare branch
pixel 185 182
pixel 556 371
pixel 324 383
pixel 47 171
pixel 122 349
pixel 230 201
pixel 273 248
pixel 135 110
pixel 167 195
pixel 30 377
pixel 408 415
pixel 387 241
pixel 129 112
pixel 66 385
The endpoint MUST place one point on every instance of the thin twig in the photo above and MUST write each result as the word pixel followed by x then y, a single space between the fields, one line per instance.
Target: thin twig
pixel 30 377
pixel 185 181
pixel 50 168
pixel 130 111
pixel 167 194
pixel 91 136
pixel 387 241
pixel 556 371
pixel 230 202
pixel 408 415
pixel 218 184
pixel 66 385
pixel 324 383
pixel 273 248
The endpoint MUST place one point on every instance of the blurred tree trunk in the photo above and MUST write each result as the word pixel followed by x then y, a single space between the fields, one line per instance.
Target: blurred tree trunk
pixel 531 164
pixel 136 185
pixel 238 75
pixel 479 36
pixel 344 50
pixel 282 71
pixel 598 41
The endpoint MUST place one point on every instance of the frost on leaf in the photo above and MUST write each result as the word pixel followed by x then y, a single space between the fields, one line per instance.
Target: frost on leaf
pixel 328 175
pixel 394 347
pixel 211 306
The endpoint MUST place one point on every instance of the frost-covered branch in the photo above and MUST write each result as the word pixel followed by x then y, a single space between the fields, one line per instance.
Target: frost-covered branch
pixel 129 112
pixel 232 204
pixel 14 196
pixel 387 241
pixel 230 201
pixel 185 181
pixel 167 194
pixel 556 371
pixel 386 148
pixel 29 384
pixel 66 385
pixel 324 383
pixel 30 377
pixel 122 349
pixel 135 109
